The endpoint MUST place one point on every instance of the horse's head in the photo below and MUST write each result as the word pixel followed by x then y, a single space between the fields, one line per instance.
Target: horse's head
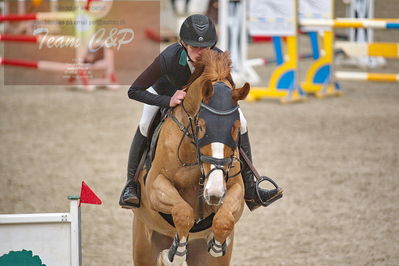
pixel 218 124
pixel 219 129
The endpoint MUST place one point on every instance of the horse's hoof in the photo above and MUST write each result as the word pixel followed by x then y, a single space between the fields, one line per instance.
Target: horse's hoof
pixel 163 260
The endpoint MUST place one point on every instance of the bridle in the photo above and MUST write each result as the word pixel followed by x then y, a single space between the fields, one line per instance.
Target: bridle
pixel 217 162
pixel 191 130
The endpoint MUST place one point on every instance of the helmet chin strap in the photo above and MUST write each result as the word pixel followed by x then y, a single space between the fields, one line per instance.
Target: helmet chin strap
pixel 184 46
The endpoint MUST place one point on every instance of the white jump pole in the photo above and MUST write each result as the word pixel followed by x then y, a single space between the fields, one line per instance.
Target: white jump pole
pixel 4 11
pixel 363 9
pixel 21 7
pixel 233 38
pixel 53 5
pixel 352 23
pixel 57 16
pixel 223 16
pixel 364 76
pixel 67 41
pixel 76 244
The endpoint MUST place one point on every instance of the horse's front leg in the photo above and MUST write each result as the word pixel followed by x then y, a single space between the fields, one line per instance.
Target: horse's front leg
pixel 165 198
pixel 224 220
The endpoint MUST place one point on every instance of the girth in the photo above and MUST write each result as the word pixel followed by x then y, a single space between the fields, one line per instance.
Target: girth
pixel 197 227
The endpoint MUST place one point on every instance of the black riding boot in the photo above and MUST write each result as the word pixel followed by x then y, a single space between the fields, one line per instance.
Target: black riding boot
pixel 253 198
pixel 130 197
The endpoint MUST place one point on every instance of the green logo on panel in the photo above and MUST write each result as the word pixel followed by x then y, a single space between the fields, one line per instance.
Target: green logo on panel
pixel 20 258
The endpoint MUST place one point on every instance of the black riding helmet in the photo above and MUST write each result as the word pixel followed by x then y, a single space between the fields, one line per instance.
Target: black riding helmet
pixel 198 31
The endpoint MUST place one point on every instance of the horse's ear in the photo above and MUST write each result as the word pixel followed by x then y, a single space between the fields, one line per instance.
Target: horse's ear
pixel 207 91
pixel 240 93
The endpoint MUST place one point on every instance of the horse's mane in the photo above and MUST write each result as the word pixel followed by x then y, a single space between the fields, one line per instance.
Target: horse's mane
pixel 212 66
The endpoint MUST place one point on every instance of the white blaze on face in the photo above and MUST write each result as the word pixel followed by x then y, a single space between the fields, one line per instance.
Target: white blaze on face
pixel 215 184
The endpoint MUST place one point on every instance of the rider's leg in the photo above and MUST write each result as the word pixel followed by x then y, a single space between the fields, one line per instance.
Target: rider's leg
pixel 130 196
pixel 252 199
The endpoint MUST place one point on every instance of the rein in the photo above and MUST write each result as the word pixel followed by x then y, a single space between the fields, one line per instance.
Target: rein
pixel 194 123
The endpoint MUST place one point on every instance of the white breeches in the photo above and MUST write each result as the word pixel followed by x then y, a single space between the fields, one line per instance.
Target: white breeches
pixel 149 112
pixel 243 122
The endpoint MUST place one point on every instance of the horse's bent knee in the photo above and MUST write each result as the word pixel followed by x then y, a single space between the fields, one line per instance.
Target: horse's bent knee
pixel 222 226
pixel 183 217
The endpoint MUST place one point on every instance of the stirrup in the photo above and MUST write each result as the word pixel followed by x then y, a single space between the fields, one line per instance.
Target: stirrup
pixel 277 196
pixel 128 205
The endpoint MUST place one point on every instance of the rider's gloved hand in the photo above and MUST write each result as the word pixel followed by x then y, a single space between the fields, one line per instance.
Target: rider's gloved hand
pixel 177 98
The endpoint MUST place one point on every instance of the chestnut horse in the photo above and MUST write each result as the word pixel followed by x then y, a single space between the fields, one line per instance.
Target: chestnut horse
pixel 193 193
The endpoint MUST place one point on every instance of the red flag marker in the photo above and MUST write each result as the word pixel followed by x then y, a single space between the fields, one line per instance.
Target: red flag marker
pixel 88 196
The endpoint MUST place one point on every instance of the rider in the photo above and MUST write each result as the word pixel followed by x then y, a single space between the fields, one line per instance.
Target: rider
pixel 160 85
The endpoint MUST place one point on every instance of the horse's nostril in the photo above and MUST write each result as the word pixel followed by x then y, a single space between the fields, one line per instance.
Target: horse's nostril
pixel 214 200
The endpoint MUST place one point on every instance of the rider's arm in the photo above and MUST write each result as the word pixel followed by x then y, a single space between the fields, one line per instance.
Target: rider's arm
pixel 148 78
